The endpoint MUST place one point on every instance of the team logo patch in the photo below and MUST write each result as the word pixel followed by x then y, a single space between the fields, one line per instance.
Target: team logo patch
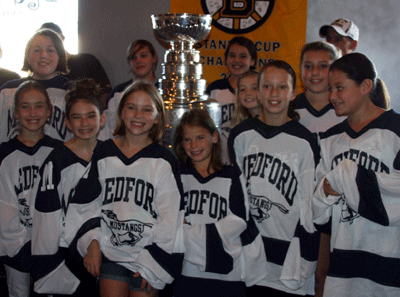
pixel 127 232
pixel 238 17
pixel 24 210
pixel 348 215
pixel 263 205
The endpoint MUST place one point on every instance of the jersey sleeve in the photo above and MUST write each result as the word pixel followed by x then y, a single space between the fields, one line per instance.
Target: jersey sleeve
pixel 321 206
pixel 14 237
pixel 374 195
pixel 82 221
pixel 253 257
pixel 160 262
pixel 47 259
pixel 216 247
pixel 301 258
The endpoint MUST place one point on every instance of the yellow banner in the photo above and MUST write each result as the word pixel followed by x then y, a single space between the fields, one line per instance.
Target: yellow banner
pixel 278 29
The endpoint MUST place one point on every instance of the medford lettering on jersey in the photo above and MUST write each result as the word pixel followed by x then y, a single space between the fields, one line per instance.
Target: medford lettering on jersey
pixel 58 122
pixel 227 112
pixel 217 205
pixel 126 188
pixel 277 172
pixel 362 159
pixel 26 180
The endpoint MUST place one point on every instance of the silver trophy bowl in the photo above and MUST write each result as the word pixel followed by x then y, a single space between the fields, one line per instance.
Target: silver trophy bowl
pixel 182 26
pixel 181 86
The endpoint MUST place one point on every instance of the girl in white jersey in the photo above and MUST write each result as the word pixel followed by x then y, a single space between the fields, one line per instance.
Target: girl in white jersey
pixel 20 160
pixel 240 57
pixel 130 201
pixel 359 184
pixel 45 61
pixel 278 156
pixel 60 174
pixel 215 212
pixel 247 98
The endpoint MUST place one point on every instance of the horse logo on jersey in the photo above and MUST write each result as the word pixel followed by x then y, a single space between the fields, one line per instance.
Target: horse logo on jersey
pixel 238 17
pixel 124 232
pixel 27 220
pixel 263 206
pixel 348 215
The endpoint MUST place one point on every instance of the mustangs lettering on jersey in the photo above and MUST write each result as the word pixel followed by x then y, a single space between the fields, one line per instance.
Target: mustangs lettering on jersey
pixel 127 232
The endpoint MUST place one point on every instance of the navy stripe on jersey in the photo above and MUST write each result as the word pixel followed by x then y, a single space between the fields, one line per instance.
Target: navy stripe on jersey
pixel 43 265
pixel 292 127
pixel 309 243
pixel 218 260
pixel 220 84
pixel 6 148
pixel 301 102
pixel 86 227
pixel 21 261
pixel 172 263
pixel 361 264
pixel 371 205
pixel 58 82
pixel 249 235
pixel 387 121
pixel 275 249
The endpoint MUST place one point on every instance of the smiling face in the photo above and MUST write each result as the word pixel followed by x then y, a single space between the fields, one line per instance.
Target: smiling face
pixel 43 58
pixel 276 92
pixel 32 111
pixel 142 64
pixel 315 71
pixel 84 120
pixel 346 96
pixel 198 143
pixel 139 114
pixel 238 60
pixel 248 93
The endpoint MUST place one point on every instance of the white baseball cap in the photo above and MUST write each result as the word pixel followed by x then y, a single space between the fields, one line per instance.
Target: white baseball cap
pixel 343 27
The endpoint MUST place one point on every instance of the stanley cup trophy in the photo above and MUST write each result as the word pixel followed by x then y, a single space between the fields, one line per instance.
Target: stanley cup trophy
pixel 181 85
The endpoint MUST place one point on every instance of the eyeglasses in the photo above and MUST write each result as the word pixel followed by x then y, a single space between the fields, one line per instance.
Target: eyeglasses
pixel 335 38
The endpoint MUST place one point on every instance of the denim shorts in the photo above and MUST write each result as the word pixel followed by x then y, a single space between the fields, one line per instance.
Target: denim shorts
pixel 114 271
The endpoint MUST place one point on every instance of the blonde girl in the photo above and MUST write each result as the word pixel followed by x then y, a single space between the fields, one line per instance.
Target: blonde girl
pixel 247 98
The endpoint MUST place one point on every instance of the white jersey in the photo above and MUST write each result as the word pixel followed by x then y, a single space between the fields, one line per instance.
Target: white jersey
pixel 364 166
pixel 216 213
pixel 314 120
pixel 59 176
pixel 222 91
pixel 19 170
pixel 137 203
pixel 55 128
pixel 113 100
pixel 279 166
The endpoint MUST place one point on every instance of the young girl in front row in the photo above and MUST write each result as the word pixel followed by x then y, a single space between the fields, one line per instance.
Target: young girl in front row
pixel 215 212
pixel 134 189
pixel 278 156
pixel 59 176
pixel 359 185
pixel 247 98
pixel 20 160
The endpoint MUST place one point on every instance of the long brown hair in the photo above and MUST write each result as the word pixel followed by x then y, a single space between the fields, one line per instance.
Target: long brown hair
pixel 197 118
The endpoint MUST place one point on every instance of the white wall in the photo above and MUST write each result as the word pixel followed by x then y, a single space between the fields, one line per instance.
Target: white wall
pixel 106 28
pixel 379 25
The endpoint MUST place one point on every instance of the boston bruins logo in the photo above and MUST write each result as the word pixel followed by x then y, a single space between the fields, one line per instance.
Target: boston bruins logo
pixel 238 16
